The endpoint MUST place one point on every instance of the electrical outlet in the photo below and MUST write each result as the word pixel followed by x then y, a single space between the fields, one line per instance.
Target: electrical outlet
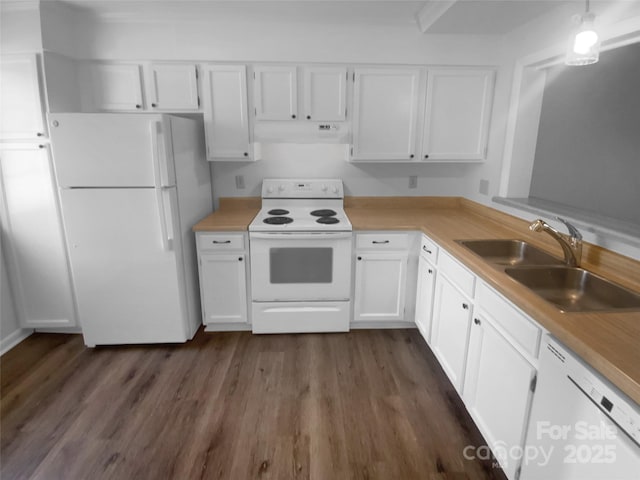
pixel 240 182
pixel 413 181
pixel 484 187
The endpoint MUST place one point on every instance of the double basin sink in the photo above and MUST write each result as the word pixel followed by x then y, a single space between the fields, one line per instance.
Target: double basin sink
pixel 571 289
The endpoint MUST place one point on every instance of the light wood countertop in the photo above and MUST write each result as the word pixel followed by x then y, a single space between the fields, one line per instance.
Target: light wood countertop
pixel 608 341
pixel 234 214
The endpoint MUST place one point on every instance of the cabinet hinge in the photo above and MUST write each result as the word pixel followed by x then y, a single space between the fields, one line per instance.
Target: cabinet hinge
pixel 196 73
pixel 518 472
pixel 354 76
pixel 255 112
pixel 198 101
pixel 532 385
pixel 352 151
pixel 254 75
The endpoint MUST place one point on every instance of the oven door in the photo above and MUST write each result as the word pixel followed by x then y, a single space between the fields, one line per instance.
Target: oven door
pixel 300 266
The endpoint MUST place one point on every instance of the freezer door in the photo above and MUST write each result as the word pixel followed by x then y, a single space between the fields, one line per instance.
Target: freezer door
pixel 111 150
pixel 126 265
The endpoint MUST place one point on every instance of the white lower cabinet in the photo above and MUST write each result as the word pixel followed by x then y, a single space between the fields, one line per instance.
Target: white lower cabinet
pixel 380 286
pixel 381 277
pixel 498 390
pixel 424 297
pixel 223 280
pixel 450 330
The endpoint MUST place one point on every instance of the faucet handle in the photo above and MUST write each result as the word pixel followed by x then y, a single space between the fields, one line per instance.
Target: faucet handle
pixel 573 231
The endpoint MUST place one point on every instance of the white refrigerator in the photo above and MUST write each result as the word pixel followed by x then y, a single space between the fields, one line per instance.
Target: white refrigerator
pixel 131 187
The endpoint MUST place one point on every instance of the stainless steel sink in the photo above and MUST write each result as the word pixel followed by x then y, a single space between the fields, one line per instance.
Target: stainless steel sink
pixel 509 252
pixel 574 289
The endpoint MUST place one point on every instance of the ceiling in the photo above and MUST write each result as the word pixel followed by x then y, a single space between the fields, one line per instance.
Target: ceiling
pixel 439 16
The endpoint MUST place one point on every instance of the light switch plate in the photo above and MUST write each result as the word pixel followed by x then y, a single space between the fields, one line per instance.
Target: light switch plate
pixel 240 182
pixel 413 181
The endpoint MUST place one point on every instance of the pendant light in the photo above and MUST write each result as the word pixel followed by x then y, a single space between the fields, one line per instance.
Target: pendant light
pixel 584 44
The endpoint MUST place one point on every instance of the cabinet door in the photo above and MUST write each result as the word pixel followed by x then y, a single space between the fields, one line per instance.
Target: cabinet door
pixel 225 112
pixel 450 330
pixel 275 93
pixel 20 100
pixel 424 297
pixel 498 390
pixel 380 287
pixel 385 114
pixel 325 93
pixel 458 111
pixel 35 243
pixel 173 86
pixel 114 87
pixel 223 288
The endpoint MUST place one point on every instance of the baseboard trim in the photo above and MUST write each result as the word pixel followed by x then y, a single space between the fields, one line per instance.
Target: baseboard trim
pixel 13 339
pixel 381 325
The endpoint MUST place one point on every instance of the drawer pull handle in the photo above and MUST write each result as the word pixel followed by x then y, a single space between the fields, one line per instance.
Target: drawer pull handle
pixel 465 306
pixel 239 259
pixel 359 258
pixel 430 271
pixel 380 241
pixel 427 250
pixel 477 321
pixel 221 242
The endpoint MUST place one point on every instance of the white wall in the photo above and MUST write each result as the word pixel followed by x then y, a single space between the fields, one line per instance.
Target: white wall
pixel 541 40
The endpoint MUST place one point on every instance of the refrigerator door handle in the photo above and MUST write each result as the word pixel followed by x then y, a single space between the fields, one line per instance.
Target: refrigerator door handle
pixel 159 152
pixel 166 224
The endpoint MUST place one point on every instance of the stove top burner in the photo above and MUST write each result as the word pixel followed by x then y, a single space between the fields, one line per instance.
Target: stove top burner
pixel 278 211
pixel 278 220
pixel 324 213
pixel 328 220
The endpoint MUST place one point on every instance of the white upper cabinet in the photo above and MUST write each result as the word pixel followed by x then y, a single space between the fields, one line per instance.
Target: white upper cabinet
pixel 173 86
pixel 458 110
pixel 225 112
pixel 21 103
pixel 112 86
pixel 385 114
pixel 275 92
pixel 325 94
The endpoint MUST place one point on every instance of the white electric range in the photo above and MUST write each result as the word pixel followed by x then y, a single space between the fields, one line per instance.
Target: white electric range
pixel 301 244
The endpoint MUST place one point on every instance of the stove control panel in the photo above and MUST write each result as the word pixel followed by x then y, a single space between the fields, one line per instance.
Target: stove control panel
pixel 294 188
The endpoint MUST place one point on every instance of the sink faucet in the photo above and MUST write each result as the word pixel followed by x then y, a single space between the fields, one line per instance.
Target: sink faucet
pixel 571 244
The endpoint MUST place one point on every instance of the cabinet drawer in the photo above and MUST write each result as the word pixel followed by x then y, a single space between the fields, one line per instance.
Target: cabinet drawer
pixel 382 241
pixel 522 330
pixel 220 241
pixel 459 275
pixel 428 249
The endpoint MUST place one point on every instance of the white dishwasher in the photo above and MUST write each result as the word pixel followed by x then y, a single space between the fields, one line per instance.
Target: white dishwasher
pixel 581 426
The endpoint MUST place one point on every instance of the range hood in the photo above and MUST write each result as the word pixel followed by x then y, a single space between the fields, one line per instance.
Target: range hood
pixel 301 132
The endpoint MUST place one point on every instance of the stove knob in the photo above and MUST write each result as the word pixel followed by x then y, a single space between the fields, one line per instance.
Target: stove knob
pixel 281 188
pixel 324 188
pixel 335 190
pixel 270 190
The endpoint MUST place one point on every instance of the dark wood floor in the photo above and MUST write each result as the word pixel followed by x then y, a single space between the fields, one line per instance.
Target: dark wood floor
pixel 363 405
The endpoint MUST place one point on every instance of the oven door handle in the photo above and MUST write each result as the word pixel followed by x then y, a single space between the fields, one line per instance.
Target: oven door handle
pixel 300 236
